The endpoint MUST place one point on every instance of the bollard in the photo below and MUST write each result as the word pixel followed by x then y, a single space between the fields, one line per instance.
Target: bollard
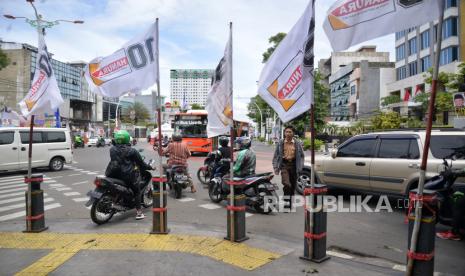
pixel 160 212
pixel 35 221
pixel 423 256
pixel 236 213
pixel 315 239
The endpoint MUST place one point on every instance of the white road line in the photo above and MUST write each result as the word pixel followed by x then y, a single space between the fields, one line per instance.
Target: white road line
pixel 11 182
pixel 78 169
pixel 55 177
pixel 186 199
pixel 399 267
pixel 78 183
pixel 12 195
pixel 248 215
pixel 81 199
pixel 12 185
pixel 15 199
pixel 85 171
pixel 12 177
pixel 210 206
pixel 63 189
pixel 76 174
pixel 339 255
pixel 72 194
pixel 58 185
pixel 19 205
pixel 93 173
pixel 18 179
pixel 12 190
pixel 49 181
pixel 23 213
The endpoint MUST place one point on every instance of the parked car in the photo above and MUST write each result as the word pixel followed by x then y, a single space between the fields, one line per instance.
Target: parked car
pixel 96 141
pixel 51 148
pixel 384 162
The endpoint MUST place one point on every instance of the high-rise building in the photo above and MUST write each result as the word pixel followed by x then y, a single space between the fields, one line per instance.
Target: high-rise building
pixel 190 86
pixel 414 56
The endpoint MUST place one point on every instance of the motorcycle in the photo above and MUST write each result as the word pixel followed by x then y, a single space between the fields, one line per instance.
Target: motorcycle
pixel 445 189
pixel 178 179
pixel 205 173
pixel 112 196
pixel 100 143
pixel 78 144
pixel 134 141
pixel 258 190
pixel 164 144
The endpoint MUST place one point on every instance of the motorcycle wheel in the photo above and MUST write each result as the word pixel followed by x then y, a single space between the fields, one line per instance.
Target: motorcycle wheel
pixel 203 176
pixel 262 193
pixel 147 199
pixel 101 211
pixel 216 198
pixel 177 191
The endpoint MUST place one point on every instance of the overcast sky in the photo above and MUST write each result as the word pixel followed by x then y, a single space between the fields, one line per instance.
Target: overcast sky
pixel 193 33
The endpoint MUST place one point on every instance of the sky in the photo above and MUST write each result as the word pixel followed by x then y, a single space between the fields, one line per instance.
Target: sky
pixel 193 33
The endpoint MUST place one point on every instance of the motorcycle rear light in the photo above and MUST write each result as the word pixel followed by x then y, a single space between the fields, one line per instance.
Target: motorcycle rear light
pixel 97 182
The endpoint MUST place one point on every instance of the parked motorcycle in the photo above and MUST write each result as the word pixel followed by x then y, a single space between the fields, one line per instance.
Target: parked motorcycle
pixel 446 190
pixel 258 190
pixel 178 179
pixel 112 195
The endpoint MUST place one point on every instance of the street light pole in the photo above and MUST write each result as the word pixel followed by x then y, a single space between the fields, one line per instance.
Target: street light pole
pixel 261 118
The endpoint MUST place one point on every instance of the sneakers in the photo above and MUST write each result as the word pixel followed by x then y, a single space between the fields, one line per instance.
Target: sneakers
pixel 448 235
pixel 140 215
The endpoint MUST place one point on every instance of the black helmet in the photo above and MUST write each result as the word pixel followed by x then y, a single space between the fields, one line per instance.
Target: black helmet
pixel 176 137
pixel 244 143
pixel 224 141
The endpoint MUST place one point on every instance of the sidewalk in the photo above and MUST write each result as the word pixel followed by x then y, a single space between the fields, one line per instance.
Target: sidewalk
pixel 122 247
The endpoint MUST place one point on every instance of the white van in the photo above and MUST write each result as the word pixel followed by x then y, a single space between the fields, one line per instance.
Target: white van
pixel 51 147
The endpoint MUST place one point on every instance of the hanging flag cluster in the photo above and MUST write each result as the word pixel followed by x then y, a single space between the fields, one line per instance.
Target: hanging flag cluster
pixel 44 95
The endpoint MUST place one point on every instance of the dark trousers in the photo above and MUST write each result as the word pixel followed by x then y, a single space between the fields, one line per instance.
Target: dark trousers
pixel 458 214
pixel 289 179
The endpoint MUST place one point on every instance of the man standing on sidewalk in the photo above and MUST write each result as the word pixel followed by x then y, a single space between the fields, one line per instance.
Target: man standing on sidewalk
pixel 289 160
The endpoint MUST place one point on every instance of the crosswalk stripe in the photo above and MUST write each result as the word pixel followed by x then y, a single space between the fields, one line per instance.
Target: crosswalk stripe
pixel 19 205
pixel 92 173
pixel 85 171
pixel 49 181
pixel 186 199
pixel 210 206
pixel 55 177
pixel 81 199
pixel 12 185
pixel 58 185
pixel 72 194
pixel 82 182
pixel 16 199
pixel 248 215
pixel 23 213
pixel 12 190
pixel 76 174
pixel 12 180
pixel 12 195
pixel 63 189
pixel 9 178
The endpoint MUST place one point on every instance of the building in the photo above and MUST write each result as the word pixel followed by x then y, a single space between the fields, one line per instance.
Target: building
pixel 190 86
pixel 355 80
pixel 414 56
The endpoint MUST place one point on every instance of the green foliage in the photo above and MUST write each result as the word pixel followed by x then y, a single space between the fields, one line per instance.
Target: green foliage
pixel 307 144
pixel 274 40
pixel 4 60
pixel 386 120
pixel 414 123
pixel 196 106
pixel 142 113
pixel 392 99
pixel 443 101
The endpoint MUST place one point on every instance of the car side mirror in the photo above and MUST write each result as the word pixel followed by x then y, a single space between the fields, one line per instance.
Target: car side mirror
pixel 333 153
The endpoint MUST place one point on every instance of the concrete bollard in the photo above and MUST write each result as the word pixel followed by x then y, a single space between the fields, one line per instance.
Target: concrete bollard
pixel 315 236
pixel 160 212
pixel 423 256
pixel 35 220
pixel 236 213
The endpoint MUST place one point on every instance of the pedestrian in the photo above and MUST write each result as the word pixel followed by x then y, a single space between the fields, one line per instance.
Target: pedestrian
pixel 289 160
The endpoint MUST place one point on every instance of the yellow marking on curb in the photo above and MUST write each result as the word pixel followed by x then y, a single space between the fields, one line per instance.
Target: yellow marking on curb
pixel 65 246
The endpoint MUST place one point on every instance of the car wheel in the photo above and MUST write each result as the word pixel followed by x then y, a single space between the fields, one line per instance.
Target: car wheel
pixel 302 181
pixel 56 164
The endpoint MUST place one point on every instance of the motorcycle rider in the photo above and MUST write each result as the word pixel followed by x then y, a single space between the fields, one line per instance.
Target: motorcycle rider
pixel 224 152
pixel 128 158
pixel 246 159
pixel 458 213
pixel 178 154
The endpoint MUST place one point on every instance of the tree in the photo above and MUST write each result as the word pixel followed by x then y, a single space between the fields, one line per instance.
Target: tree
pixel 4 60
pixel 196 106
pixel 141 113
pixel 386 120
pixel 275 40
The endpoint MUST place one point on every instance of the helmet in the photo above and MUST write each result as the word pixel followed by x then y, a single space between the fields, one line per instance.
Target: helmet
pixel 122 137
pixel 176 137
pixel 224 141
pixel 244 143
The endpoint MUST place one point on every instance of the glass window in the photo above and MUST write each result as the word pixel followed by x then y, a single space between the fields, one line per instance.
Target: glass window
pixel 451 3
pixel 401 73
pixel 7 138
pixel 424 40
pixel 425 63
pixel 55 137
pixel 449 28
pixel 449 55
pixel 400 52
pixel 357 148
pixel 412 46
pixel 412 67
pixel 36 137
pixel 443 146
pixel 399 148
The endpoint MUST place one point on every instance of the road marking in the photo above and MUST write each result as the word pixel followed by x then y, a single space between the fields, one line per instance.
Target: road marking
pixel 78 169
pixel 339 255
pixel 78 183
pixel 55 177
pixel 23 213
pixel 11 195
pixel 12 179
pixel 50 181
pixel 210 206
pixel 248 215
pixel 85 171
pixel 81 199
pixel 72 194
pixel 12 190
pixel 93 173
pixel 53 186
pixel 15 199
pixel 65 246
pixel 19 205
pixel 186 199
pixel 12 185
pixel 12 182
pixel 400 267
pixel 76 174
pixel 63 189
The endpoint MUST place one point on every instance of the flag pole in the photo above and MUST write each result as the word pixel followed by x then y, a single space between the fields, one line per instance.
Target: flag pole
pixel 426 146
pixel 232 235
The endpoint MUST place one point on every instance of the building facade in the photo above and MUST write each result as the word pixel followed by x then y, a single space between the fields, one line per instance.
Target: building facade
pixel 190 86
pixel 414 56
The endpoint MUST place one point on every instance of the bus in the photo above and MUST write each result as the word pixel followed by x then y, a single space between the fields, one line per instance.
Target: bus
pixel 192 125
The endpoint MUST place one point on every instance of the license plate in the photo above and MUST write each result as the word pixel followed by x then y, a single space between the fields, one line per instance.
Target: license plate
pixel 94 194
pixel 271 186
pixel 180 177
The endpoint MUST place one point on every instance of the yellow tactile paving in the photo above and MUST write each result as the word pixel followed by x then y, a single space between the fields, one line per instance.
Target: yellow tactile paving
pixel 65 246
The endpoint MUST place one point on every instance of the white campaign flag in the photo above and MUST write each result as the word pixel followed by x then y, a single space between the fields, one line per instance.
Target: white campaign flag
pixel 286 81
pixel 44 95
pixel 349 22
pixel 219 99
pixel 131 68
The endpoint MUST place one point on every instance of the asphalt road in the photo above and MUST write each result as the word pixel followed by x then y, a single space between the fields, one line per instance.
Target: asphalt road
pixel 383 235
